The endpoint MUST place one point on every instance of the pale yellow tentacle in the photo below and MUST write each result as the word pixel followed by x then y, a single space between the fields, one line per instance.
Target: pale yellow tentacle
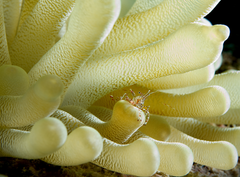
pixel 69 121
pixel 217 154
pixel 41 100
pixel 130 32
pixel 83 145
pixel 210 101
pixel 230 117
pixel 27 8
pixel 142 5
pixel 207 102
pixel 229 81
pixel 125 120
pixel 194 77
pixel 116 157
pixel 119 157
pixel 4 54
pixel 37 34
pixel 205 131
pixel 157 128
pixel 191 47
pixel 46 136
pixel 175 158
pixel 12 10
pixel 85 33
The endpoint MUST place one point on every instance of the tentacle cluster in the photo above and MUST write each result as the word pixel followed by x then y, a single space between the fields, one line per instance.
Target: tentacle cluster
pixel 62 63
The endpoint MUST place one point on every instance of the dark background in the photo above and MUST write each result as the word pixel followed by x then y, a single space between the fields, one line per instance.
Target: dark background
pixel 228 12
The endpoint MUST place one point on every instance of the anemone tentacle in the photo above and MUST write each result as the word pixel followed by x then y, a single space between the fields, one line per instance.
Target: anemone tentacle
pixel 217 154
pixel 46 136
pixel 12 9
pixel 125 120
pixel 83 145
pixel 40 101
pixel 161 62
pixel 4 54
pixel 38 32
pixel 190 78
pixel 186 105
pixel 83 36
pixel 205 131
pixel 68 70
pixel 162 20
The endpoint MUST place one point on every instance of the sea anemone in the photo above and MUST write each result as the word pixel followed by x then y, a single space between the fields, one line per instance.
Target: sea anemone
pixel 130 93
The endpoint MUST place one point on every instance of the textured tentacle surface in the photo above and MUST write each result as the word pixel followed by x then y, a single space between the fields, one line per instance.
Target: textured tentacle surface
pixel 211 101
pixel 83 145
pixel 205 131
pixel 12 10
pixel 125 120
pixel 218 154
pixel 37 34
pixel 118 154
pixel 162 21
pixel 118 157
pixel 98 111
pixel 230 117
pixel 160 62
pixel 45 137
pixel 84 35
pixel 80 55
pixel 176 158
pixel 190 78
pixel 141 5
pixel 4 54
pixel 171 154
pixel 230 82
pixel 41 100
pixel 27 7
pixel 69 121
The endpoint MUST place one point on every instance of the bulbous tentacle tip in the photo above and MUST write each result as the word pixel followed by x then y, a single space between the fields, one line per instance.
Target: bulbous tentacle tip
pixel 176 158
pixel 49 87
pixel 230 154
pixel 83 145
pixel 219 33
pixel 89 138
pixel 47 135
pixel 123 106
pixel 149 156
pixel 222 95
pixel 128 112
pixel 186 160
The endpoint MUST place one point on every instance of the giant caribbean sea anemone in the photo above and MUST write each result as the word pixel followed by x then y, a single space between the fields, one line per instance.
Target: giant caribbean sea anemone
pixel 130 93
